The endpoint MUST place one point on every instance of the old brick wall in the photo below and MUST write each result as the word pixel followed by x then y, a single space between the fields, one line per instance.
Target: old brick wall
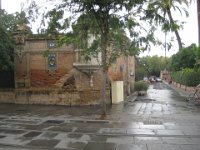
pixel 42 77
pixel 21 66
pixel 83 80
pixel 32 69
pixel 118 71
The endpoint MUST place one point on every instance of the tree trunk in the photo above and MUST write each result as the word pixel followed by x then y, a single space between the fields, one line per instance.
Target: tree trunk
pixel 104 71
pixel 175 30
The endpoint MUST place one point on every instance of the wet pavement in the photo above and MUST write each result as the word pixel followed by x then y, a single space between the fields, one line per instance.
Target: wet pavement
pixel 162 120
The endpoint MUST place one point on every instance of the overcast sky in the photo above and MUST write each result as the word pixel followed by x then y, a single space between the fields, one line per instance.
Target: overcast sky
pixel 189 34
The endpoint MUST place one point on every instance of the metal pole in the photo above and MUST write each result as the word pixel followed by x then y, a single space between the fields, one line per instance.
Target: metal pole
pixel 165 44
pixel 0 5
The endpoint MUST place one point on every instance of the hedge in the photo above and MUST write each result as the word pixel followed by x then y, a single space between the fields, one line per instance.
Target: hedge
pixel 187 76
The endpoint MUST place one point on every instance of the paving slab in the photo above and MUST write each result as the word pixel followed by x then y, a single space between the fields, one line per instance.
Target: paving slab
pixel 87 129
pixel 163 147
pixel 61 128
pixel 63 144
pixel 43 143
pixel 11 131
pixel 160 120
pixel 112 131
pixel 100 146
pixel 47 135
pixel 131 147
pixel 145 140
pixel 190 147
pixel 140 132
pixel 120 140
pixel 32 134
pixel 169 132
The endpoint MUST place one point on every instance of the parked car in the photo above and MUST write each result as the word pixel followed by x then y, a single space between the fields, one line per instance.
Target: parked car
pixel 145 79
pixel 158 80
pixel 152 79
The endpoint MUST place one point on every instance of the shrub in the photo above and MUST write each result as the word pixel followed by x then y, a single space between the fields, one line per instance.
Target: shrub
pixel 187 76
pixel 141 86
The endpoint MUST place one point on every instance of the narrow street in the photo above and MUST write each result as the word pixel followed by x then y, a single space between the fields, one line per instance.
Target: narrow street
pixel 162 120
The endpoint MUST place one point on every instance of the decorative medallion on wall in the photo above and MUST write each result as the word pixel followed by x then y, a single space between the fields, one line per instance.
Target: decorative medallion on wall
pixel 19 51
pixel 51 44
pixel 52 62
pixel 19 39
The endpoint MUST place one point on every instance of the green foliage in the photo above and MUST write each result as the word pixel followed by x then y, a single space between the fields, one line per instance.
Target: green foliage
pixel 185 58
pixel 187 76
pixel 160 12
pixel 141 86
pixel 8 25
pixel 6 50
pixel 140 73
pixel 9 22
pixel 54 24
pixel 154 64
pixel 198 53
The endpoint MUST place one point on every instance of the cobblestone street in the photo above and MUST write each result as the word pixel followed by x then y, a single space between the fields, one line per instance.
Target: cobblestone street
pixel 162 120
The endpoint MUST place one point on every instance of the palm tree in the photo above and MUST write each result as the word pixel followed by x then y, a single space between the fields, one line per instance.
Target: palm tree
pixel 161 8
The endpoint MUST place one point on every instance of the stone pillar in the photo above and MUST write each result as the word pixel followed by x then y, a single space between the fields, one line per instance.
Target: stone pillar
pixel 20 36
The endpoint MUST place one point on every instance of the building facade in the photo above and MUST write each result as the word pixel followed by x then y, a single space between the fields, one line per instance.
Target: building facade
pixel 46 73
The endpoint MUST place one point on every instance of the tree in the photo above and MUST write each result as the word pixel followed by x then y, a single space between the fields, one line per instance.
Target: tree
pixel 154 64
pixel 6 41
pixel 103 20
pixel 6 50
pixel 9 24
pixel 158 10
pixel 185 58
pixel 107 20
pixel 140 73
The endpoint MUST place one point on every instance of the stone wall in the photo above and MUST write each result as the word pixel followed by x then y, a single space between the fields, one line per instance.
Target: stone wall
pixel 184 87
pixel 7 96
pixel 51 97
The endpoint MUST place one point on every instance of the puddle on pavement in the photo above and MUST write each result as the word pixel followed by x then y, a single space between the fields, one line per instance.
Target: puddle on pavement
pixel 61 128
pixel 152 122
pixel 54 122
pixel 74 136
pixel 11 131
pixel 2 118
pixel 49 135
pixel 44 143
pixel 2 136
pixel 145 99
pixel 32 134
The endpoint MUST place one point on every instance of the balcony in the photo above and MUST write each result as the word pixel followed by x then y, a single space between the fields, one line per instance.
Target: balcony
pixel 87 67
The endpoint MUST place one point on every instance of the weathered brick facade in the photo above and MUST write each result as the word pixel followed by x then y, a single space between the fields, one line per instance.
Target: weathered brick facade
pixel 42 66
